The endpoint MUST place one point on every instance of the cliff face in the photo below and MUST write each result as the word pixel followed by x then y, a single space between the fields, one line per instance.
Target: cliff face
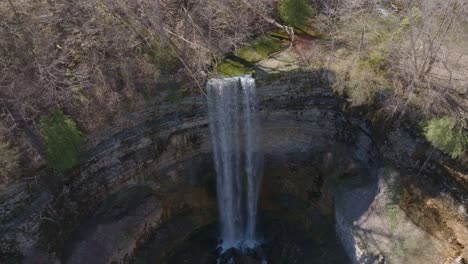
pixel 132 183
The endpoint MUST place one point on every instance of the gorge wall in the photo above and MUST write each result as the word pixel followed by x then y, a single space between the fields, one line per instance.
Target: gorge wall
pixel 156 181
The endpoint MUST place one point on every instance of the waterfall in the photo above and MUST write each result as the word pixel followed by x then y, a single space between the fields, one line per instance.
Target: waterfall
pixel 238 160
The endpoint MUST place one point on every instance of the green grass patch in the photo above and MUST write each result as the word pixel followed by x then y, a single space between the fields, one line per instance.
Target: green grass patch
pixel 61 139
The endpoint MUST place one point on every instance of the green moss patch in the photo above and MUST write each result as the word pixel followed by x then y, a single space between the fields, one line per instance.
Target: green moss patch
pixel 279 34
pixel 61 139
pixel 260 49
pixel 230 67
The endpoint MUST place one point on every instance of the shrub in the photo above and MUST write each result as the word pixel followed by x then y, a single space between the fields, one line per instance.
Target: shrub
pixel 164 58
pixel 444 134
pixel 376 59
pixel 62 140
pixel 360 83
pixel 295 12
pixel 9 157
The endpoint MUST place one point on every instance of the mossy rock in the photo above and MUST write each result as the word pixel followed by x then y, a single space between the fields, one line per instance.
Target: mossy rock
pixel 230 67
pixel 279 34
pixel 260 49
pixel 241 62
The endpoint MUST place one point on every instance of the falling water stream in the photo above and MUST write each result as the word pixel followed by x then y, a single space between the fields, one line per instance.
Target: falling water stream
pixel 238 160
pixel 238 163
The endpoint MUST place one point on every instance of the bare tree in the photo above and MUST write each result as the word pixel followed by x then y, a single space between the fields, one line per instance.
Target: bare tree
pixel 425 52
pixel 92 58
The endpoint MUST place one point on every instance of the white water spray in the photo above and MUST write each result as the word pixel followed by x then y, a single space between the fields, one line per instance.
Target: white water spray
pixel 238 160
